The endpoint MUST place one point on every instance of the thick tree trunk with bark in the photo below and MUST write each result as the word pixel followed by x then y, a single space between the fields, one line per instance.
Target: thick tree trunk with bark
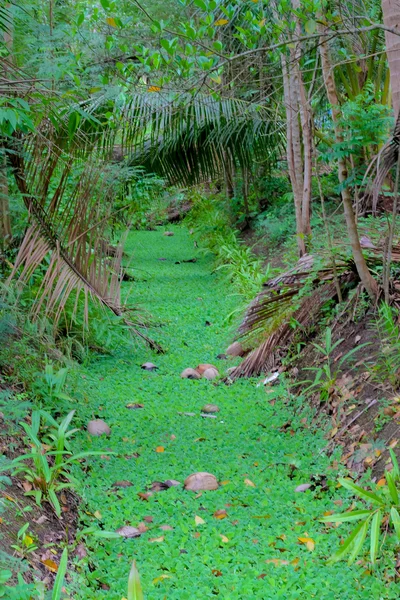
pixel 365 276
pixel 391 18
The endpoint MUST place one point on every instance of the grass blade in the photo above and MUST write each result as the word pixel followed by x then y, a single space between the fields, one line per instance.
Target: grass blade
pixel 355 515
pixel 396 470
pixel 358 542
pixel 394 494
pixel 134 588
pixel 58 583
pixel 396 521
pixel 361 493
pixel 346 546
pixel 375 531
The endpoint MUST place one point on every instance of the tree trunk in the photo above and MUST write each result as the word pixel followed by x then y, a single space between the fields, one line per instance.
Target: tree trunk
pixel 293 151
pixel 391 18
pixel 5 222
pixel 365 276
pixel 306 129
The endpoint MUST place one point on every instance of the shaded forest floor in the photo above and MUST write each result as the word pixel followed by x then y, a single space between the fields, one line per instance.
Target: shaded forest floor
pixel 254 537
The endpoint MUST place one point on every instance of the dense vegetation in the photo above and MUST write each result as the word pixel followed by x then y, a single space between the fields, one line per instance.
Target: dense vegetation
pixel 176 176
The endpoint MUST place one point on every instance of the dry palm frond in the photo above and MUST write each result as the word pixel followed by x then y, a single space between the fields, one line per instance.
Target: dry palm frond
pixel 283 302
pixel 385 161
pixel 67 233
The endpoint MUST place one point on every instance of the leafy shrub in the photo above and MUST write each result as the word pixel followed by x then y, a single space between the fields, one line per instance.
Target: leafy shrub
pixel 385 510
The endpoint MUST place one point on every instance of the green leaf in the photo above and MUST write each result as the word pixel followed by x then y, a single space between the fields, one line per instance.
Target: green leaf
pixel 396 521
pixel 396 470
pixel 134 588
pixel 346 546
pixel 358 542
pixel 105 4
pixel 375 530
pixel 58 583
pixel 361 493
pixel 80 19
pixel 310 26
pixel 394 494
pixel 355 515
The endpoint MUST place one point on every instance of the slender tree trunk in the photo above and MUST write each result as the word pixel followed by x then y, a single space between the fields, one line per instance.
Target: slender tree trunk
pixel 365 276
pixel 5 222
pixel 306 128
pixel 293 151
pixel 391 18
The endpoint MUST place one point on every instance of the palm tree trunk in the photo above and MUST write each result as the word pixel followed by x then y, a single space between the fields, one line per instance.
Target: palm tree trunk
pixel 391 18
pixel 365 276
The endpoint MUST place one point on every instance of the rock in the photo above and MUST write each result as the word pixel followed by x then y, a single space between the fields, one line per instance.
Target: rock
pixel 98 427
pixel 134 405
pixel 210 374
pixel 129 532
pixel 190 374
pixel 197 482
pixel 172 482
pixel 221 356
pixel 235 349
pixel 122 484
pixel 148 366
pixel 169 233
pixel 210 408
pixel 201 368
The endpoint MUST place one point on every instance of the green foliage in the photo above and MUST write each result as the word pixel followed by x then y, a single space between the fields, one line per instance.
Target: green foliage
pixel 385 509
pixel 47 466
pixel 249 439
pixel 327 374
pixel 386 364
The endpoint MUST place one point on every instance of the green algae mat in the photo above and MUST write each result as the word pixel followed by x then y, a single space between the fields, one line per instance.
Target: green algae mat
pixel 253 537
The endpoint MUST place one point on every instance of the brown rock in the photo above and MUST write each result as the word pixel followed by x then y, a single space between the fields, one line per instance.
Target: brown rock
pixel 148 366
pixel 210 408
pixel 197 482
pixel 210 374
pixel 122 484
pixel 235 349
pixel 201 368
pixel 98 427
pixel 190 374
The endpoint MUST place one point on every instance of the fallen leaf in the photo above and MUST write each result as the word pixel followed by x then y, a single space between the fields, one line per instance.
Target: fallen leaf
pixel 221 22
pixel 308 542
pixel 156 540
pixel 129 532
pixel 277 561
pixel 303 487
pixel 134 405
pixel 148 519
pixel 145 495
pixel 220 514
pixel 166 527
pixel 381 482
pixel 50 565
pixel 224 538
pixel 160 449
pixel 161 578
pixel 111 21
pixel 249 483
pixel 216 572
pixel 97 514
pixel 199 520
pixel 153 88
pixel 196 534
pixel 27 486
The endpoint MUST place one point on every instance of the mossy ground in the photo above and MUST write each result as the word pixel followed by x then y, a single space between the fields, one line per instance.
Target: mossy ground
pixel 263 557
